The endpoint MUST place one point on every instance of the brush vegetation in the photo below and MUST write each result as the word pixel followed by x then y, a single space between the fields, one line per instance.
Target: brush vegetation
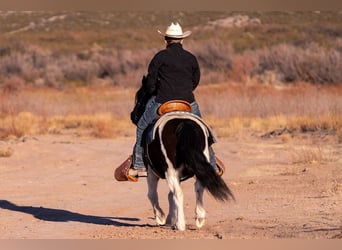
pixel 231 109
pixel 62 49
pixel 261 71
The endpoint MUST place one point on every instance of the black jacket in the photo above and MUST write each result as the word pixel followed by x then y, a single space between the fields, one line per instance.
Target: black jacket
pixel 173 73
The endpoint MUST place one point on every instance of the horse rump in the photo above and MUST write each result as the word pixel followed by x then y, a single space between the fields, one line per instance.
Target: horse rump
pixel 190 147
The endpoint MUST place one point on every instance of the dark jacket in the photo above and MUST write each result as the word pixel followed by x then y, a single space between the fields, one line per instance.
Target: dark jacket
pixel 173 73
pixel 141 98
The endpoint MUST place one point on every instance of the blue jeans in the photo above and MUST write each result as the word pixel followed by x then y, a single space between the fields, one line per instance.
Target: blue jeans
pixel 150 115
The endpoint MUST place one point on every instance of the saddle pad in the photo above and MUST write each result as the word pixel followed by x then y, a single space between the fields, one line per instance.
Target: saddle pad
pixel 182 115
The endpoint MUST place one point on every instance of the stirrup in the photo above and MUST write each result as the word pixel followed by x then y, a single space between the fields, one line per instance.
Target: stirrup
pixel 121 173
pixel 220 166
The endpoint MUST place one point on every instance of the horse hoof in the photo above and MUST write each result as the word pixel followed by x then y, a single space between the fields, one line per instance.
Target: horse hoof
pixel 179 227
pixel 200 222
pixel 170 220
pixel 161 220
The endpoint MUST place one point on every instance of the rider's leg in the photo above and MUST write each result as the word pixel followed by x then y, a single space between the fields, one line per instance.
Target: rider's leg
pixel 147 118
pixel 195 109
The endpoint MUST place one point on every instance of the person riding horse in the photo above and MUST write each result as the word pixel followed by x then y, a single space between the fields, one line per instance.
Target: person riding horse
pixel 173 74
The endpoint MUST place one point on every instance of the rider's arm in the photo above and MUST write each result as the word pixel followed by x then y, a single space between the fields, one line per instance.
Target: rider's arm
pixel 152 76
pixel 196 74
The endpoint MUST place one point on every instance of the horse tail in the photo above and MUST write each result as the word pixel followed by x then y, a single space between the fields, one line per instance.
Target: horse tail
pixel 190 145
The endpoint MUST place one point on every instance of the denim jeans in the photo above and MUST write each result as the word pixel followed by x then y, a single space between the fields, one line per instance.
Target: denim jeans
pixel 150 115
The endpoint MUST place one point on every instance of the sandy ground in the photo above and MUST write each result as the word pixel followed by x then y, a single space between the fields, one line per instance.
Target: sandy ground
pixel 62 187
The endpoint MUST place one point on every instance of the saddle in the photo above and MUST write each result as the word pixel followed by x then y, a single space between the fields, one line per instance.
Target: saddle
pixel 174 105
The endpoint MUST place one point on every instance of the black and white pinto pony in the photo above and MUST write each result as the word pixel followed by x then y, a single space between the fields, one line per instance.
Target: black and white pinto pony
pixel 178 150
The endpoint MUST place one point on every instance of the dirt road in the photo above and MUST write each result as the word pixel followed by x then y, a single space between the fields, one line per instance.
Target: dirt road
pixel 62 187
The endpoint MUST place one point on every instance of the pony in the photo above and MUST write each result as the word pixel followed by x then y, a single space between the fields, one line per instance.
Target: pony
pixel 178 149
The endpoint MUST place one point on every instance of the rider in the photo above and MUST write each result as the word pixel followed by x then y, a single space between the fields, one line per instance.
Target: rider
pixel 173 74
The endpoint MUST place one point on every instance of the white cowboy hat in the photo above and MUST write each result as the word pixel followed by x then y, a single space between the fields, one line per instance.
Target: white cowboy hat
pixel 175 31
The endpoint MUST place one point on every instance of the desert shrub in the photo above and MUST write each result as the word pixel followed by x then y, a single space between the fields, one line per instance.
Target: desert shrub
pixel 11 65
pixel 244 67
pixel 75 69
pixel 27 64
pixel 123 67
pixel 214 57
pixel 53 76
pixel 302 64
pixel 219 62
pixel 4 51
pixel 12 85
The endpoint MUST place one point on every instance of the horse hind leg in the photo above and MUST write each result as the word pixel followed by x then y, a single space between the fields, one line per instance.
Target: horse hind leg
pixel 177 210
pixel 152 181
pixel 199 210
pixel 171 217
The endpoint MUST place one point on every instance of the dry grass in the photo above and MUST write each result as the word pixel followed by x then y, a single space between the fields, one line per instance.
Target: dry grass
pixel 97 125
pixel 231 110
pixel 312 154
pixel 98 112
